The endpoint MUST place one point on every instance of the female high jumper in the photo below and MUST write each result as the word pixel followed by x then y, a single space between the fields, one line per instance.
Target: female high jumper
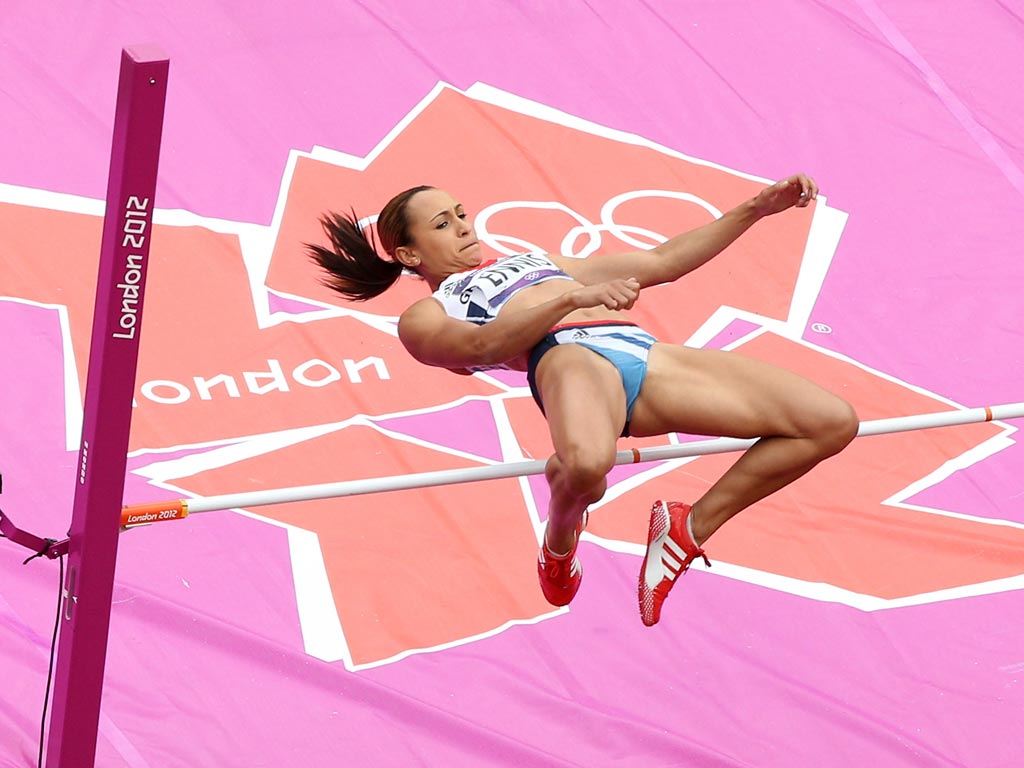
pixel 595 375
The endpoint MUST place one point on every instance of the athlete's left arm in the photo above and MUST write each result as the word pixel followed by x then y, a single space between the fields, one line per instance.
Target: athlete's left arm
pixel 686 252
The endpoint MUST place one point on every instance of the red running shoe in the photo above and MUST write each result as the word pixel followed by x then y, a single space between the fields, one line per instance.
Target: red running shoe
pixel 560 575
pixel 670 550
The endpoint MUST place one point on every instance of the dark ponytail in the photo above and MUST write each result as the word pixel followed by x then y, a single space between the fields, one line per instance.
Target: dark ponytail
pixel 352 265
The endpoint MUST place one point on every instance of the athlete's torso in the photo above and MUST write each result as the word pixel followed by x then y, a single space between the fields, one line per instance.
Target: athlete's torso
pixel 512 284
pixel 478 295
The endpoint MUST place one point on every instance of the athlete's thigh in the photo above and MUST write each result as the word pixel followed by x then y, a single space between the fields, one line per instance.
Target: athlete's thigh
pixel 710 392
pixel 584 402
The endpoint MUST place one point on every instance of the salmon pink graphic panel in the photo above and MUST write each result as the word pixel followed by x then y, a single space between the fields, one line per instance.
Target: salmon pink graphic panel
pixel 832 525
pixel 528 183
pixel 204 372
pixel 408 569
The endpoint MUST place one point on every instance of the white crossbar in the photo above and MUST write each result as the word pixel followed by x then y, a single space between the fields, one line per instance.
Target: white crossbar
pixel 146 513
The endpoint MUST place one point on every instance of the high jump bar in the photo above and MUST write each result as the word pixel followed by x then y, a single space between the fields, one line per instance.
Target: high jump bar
pixel 144 514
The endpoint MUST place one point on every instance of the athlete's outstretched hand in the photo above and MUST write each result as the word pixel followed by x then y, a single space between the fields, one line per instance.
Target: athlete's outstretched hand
pixel 613 294
pixel 798 190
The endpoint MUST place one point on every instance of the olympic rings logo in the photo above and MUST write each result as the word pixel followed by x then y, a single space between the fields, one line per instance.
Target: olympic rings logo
pixel 509 245
pixel 626 233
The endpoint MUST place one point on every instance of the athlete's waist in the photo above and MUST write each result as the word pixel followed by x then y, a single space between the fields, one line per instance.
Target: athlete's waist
pixel 593 324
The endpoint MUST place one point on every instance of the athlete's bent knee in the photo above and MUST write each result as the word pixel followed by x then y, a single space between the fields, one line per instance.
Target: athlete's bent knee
pixel 837 425
pixel 583 472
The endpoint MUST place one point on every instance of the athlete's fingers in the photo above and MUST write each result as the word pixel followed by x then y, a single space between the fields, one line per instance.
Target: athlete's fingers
pixel 633 293
pixel 617 300
pixel 808 190
pixel 617 294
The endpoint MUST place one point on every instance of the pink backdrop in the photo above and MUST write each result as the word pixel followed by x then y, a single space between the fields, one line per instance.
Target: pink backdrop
pixel 871 614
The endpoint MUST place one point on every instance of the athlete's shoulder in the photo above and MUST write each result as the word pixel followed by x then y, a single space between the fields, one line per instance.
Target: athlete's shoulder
pixel 422 308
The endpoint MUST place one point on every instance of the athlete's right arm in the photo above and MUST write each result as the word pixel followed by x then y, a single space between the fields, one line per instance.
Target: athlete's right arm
pixel 434 338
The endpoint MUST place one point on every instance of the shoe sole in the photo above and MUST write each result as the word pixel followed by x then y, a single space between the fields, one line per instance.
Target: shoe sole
pixel 651 570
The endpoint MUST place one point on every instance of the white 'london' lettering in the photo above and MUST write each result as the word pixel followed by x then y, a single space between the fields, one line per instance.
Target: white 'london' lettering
pixel 134 230
pixel 150 393
pixel 352 368
pixel 315 373
pixel 277 381
pixel 299 374
pixel 204 386
pixel 146 517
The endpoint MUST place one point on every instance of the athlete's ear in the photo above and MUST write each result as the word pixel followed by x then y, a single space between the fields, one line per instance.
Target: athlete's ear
pixel 407 257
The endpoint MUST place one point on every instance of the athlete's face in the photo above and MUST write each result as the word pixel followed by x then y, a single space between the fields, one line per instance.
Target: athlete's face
pixel 442 240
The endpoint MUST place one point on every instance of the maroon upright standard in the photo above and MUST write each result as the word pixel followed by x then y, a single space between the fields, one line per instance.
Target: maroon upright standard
pixel 113 355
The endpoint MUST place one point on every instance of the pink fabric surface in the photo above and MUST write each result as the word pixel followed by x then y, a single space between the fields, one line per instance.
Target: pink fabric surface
pixel 908 115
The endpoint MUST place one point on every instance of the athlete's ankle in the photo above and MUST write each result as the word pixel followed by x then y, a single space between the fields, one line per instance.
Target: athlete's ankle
pixel 563 541
pixel 696 526
pixel 558 545
pixel 559 550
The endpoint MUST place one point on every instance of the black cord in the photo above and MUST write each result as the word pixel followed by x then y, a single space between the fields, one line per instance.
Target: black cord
pixel 53 643
pixel 53 653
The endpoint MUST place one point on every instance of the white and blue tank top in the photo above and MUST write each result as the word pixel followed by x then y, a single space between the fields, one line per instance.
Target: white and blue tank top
pixel 477 295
